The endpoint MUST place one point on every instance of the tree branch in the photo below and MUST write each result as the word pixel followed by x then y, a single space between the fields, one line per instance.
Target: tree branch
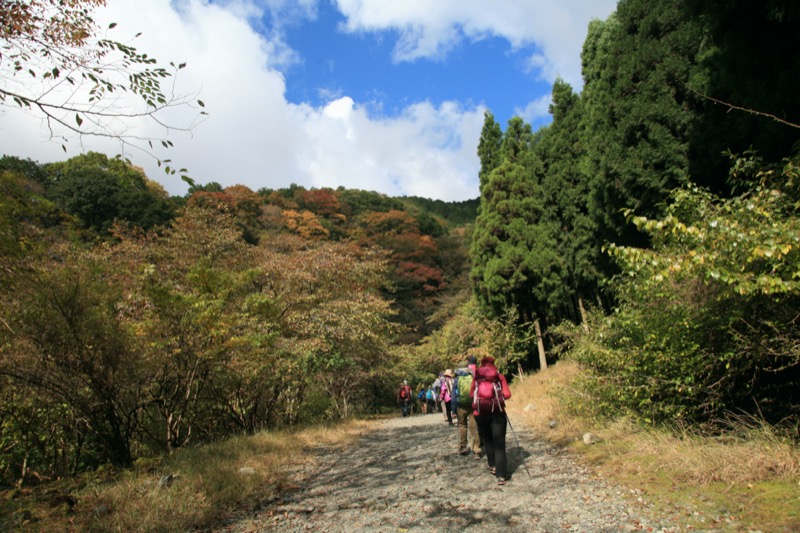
pixel 746 110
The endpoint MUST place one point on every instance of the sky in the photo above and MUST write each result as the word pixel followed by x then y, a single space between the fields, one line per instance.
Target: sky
pixel 379 95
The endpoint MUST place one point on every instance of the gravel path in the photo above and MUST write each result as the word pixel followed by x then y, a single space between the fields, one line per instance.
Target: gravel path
pixel 406 476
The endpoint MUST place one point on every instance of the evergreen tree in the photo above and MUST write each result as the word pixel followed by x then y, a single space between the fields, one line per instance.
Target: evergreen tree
pixel 639 111
pixel 515 265
pixel 565 192
pixel 750 60
pixel 489 147
pixel 99 190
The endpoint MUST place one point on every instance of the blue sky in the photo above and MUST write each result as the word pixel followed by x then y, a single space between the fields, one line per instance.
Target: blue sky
pixel 485 72
pixel 367 94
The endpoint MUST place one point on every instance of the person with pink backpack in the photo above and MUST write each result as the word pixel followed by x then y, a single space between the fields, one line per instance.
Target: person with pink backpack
pixel 446 395
pixel 489 393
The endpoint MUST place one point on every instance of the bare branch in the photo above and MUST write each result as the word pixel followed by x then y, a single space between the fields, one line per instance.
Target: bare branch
pixel 746 110
pixel 57 64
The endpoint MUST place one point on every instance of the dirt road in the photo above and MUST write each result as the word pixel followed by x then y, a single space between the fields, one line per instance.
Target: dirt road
pixel 406 476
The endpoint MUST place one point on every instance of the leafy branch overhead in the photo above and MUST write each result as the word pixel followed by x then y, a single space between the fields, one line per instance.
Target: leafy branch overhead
pixel 748 243
pixel 59 64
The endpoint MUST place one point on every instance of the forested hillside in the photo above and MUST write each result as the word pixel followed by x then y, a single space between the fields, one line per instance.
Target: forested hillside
pixel 136 323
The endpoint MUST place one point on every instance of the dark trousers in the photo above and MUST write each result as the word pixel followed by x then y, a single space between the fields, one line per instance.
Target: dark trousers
pixel 447 413
pixel 492 428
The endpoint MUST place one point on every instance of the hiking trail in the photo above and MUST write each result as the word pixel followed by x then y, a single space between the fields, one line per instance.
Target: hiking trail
pixel 405 475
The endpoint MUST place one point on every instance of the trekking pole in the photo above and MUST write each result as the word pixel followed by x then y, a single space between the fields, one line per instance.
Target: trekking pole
pixel 522 457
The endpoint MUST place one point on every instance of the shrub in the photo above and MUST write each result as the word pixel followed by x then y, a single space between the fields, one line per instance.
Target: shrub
pixel 707 317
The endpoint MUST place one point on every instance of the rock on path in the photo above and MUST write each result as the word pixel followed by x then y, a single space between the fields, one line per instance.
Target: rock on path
pixel 406 476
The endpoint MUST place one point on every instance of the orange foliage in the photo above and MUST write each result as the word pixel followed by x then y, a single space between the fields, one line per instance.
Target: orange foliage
pixel 304 223
pixel 59 23
pixel 393 221
pixel 244 199
pixel 322 202
pixel 429 278
pixel 220 201
pixel 410 246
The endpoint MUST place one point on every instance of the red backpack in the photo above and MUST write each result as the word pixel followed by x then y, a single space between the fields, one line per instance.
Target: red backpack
pixel 488 395
pixel 405 392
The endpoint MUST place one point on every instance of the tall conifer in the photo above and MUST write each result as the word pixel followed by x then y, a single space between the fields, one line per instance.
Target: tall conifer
pixel 489 147
pixel 565 189
pixel 515 265
pixel 638 113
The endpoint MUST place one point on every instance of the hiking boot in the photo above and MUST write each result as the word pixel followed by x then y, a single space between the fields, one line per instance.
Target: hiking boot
pixel 464 451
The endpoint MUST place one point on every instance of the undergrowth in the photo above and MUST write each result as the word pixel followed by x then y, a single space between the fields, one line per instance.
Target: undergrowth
pixel 190 490
pixel 749 473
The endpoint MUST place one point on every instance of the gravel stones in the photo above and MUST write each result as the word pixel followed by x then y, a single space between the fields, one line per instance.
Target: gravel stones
pixel 407 475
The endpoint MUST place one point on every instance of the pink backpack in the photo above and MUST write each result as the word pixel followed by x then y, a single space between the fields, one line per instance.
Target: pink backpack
pixel 488 395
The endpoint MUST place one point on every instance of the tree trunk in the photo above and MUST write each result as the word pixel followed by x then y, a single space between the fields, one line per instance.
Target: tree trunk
pixel 584 321
pixel 540 343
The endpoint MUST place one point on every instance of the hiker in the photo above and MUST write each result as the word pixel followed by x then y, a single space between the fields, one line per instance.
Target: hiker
pixel 446 395
pixel 489 393
pixel 431 400
pixel 404 397
pixel 462 408
pixel 437 389
pixel 422 399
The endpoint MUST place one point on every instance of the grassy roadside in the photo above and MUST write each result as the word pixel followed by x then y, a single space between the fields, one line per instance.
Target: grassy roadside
pixel 208 484
pixel 751 475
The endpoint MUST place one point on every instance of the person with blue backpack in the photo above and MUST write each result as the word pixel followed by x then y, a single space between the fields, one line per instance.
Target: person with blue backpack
pixel 489 394
pixel 463 411
pixel 422 399
pixel 431 399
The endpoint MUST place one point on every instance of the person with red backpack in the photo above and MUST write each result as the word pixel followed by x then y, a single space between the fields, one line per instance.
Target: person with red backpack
pixel 404 397
pixel 489 394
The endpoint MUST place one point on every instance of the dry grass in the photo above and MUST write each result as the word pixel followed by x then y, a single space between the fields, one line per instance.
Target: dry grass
pixel 751 473
pixel 207 485
pixel 536 403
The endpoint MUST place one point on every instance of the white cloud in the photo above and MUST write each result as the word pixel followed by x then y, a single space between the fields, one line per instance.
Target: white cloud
pixel 536 111
pixel 253 136
pixel 428 29
pixel 427 151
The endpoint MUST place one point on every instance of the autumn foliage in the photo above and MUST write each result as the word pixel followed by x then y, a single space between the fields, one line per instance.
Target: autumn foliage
pixel 237 315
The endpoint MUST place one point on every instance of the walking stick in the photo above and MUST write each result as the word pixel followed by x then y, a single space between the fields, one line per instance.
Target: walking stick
pixel 522 457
